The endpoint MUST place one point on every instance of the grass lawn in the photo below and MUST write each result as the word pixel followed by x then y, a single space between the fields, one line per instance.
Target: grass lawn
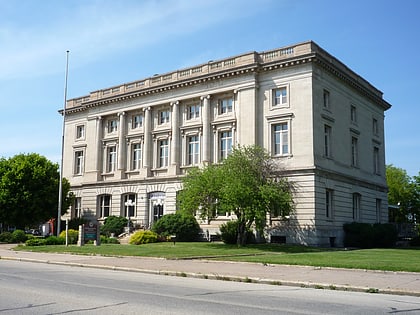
pixel 373 259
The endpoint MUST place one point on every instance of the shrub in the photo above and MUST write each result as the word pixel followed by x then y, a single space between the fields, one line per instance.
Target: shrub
pixel 73 235
pixel 6 237
pixel 365 235
pixel 415 242
pixel 184 226
pixel 113 224
pixel 35 241
pixel 229 233
pixel 19 236
pixel 109 240
pixel 143 237
pixel 55 240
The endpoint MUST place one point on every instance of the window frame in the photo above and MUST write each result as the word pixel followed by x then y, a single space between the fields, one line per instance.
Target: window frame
pixel 278 147
pixel 327 152
pixel 225 140
pixel 104 205
pixel 112 125
pixel 131 209
pixel 163 150
pixel 329 203
pixel 376 161
pixel 353 114
pixel 79 162
pixel 193 149
pixel 137 121
pixel 326 99
pixel 225 105
pixel 281 100
pixel 164 116
pixel 80 132
pixel 111 158
pixel 193 111
pixel 354 151
pixel 356 205
pixel 136 156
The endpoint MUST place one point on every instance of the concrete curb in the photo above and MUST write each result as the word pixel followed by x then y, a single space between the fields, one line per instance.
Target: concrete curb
pixel 301 284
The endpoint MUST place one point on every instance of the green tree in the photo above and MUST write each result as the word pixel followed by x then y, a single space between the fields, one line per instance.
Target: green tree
pixel 113 224
pixel 401 192
pixel 248 183
pixel 183 226
pixel 29 190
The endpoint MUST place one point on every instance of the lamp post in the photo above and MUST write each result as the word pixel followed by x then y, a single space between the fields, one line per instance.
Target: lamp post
pixel 129 203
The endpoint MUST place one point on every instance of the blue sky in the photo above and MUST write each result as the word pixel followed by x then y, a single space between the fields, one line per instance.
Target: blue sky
pixel 112 42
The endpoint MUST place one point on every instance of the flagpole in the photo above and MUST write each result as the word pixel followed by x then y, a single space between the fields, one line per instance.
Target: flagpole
pixel 60 184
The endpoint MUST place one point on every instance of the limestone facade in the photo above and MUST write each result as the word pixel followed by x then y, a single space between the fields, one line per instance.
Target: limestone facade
pixel 319 119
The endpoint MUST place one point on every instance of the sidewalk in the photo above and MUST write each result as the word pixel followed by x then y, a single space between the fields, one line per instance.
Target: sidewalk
pixel 401 283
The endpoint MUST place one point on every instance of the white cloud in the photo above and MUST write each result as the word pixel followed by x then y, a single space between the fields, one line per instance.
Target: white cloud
pixel 94 29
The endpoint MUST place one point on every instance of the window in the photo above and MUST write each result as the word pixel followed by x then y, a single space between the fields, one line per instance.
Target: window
pixel 376 168
pixel 353 114
pixel 326 99
pixel 111 159
pixel 328 202
pixel 225 144
pixel 225 105
pixel 356 206
pixel 80 132
pixel 104 206
pixel 375 129
pixel 280 96
pixel 327 141
pixel 378 210
pixel 193 150
pixel 157 212
pixel 164 117
pixel 77 207
pixel 129 205
pixel 193 111
pixel 354 151
pixel 136 121
pixel 163 153
pixel 136 156
pixel 78 162
pixel 112 125
pixel 281 139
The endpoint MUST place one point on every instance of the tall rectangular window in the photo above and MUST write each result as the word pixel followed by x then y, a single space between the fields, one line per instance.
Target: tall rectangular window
pixel 136 156
pixel 353 114
pixel 104 206
pixel 111 165
pixel 354 151
pixel 280 96
pixel 136 121
pixel 164 116
pixel 80 132
pixel 356 206
pixel 225 105
pixel 78 162
pixel 378 210
pixel 375 129
pixel 129 205
pixel 326 99
pixel 112 125
pixel 328 203
pixel 281 139
pixel 193 150
pixel 327 141
pixel 163 153
pixel 193 111
pixel 376 164
pixel 225 144
pixel 77 207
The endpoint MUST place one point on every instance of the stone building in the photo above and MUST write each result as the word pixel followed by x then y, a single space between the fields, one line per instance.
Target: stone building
pixel 128 146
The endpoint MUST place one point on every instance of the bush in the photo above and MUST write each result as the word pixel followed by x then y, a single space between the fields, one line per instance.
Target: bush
pixel 109 240
pixel 113 224
pixel 6 237
pixel 143 237
pixel 229 233
pixel 55 240
pixel 73 235
pixel 415 242
pixel 19 236
pixel 35 241
pixel 184 226
pixel 365 235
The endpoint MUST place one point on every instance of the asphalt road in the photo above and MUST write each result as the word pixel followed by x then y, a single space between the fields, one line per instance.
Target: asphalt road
pixel 33 288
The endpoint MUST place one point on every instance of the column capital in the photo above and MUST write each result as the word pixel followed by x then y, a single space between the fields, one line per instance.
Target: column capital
pixel 174 103
pixel 205 97
pixel 121 114
pixel 147 109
